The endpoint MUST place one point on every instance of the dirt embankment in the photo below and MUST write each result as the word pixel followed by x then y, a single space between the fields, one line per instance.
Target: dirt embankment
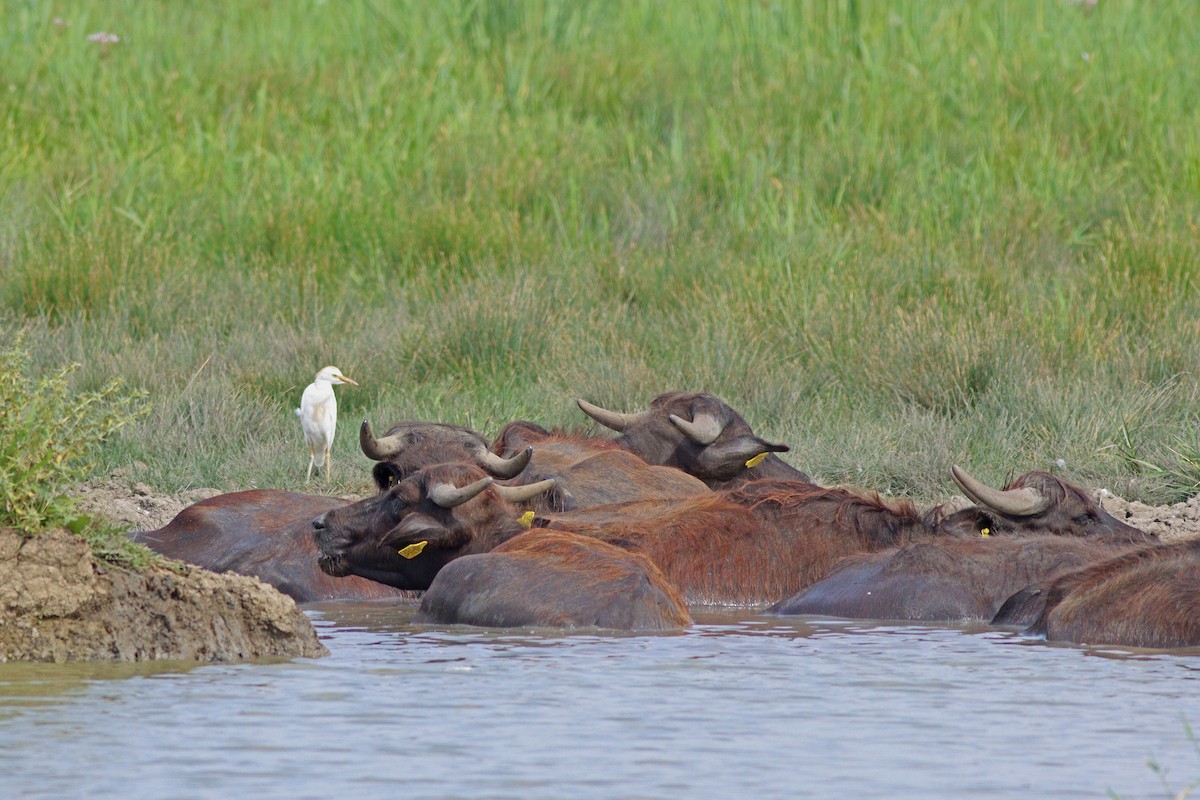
pixel 58 604
pixel 1177 521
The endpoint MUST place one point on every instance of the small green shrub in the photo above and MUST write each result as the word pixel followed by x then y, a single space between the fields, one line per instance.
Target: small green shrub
pixel 49 438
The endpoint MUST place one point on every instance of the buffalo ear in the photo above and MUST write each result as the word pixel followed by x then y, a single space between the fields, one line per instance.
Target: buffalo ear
pixel 1023 608
pixel 420 528
pixel 770 447
pixel 970 522
pixel 386 475
pixel 731 456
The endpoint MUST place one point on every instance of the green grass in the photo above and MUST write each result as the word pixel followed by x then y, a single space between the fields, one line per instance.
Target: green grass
pixel 897 236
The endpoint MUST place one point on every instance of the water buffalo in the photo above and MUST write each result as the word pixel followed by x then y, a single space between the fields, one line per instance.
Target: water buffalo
pixel 405 534
pixel 1038 502
pixel 699 434
pixel 1037 527
pixel 951 579
pixel 588 471
pixel 263 533
pixel 410 446
pixel 1147 597
pixel 553 579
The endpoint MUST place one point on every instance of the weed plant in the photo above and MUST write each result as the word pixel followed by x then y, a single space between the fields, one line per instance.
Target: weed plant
pixel 48 438
pixel 896 236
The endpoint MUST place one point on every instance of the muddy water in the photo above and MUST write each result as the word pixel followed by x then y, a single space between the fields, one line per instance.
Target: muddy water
pixel 738 707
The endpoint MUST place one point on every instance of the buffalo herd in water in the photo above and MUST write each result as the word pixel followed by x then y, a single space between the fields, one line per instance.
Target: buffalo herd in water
pixel 688 507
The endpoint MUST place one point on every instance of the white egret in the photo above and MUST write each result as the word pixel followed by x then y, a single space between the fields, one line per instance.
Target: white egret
pixel 318 417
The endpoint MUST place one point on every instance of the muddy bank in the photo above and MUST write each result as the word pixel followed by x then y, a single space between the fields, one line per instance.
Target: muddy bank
pixel 1171 523
pixel 58 604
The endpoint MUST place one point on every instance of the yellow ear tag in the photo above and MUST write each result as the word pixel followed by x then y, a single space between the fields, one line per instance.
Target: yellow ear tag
pixel 526 519
pixel 758 459
pixel 413 550
pixel 985 531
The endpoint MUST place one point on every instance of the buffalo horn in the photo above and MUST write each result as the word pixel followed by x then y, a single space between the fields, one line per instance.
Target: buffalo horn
pixel 614 420
pixel 519 494
pixel 378 449
pixel 1025 502
pixel 703 430
pixel 447 495
pixel 504 467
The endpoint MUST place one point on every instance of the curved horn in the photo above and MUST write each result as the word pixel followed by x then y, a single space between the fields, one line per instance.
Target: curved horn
pixel 1024 502
pixel 447 495
pixel 703 429
pixel 519 494
pixel 504 467
pixel 612 420
pixel 378 449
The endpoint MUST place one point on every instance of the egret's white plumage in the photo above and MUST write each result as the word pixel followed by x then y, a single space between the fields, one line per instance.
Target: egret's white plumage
pixel 318 417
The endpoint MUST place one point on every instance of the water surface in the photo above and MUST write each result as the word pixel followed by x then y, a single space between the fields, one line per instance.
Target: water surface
pixel 739 706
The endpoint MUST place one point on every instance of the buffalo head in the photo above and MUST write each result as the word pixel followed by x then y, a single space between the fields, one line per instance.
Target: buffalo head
pixel 409 446
pixel 403 535
pixel 1038 502
pixel 699 434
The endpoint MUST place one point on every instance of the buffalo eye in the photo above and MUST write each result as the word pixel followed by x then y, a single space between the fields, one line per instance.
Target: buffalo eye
pixel 1085 519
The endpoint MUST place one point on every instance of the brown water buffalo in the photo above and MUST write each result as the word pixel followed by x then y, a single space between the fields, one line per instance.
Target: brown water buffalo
pixel 588 471
pixel 554 579
pixel 404 535
pixel 699 434
pixel 951 579
pixel 1038 502
pixel 1036 528
pixel 410 446
pixel 1146 597
pixel 263 533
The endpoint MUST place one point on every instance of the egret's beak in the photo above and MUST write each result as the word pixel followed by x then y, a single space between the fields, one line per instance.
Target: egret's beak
pixel 344 379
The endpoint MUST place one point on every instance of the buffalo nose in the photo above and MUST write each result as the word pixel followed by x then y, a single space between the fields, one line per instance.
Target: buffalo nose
pixel 319 523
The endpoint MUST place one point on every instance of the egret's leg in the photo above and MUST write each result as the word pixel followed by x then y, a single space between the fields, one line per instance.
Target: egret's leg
pixel 312 457
pixel 328 464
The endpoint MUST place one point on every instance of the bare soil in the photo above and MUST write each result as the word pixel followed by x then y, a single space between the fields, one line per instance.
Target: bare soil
pixel 1173 522
pixel 57 603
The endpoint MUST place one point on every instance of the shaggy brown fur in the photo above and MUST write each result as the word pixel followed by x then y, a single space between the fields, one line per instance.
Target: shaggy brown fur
pixel 555 579
pixel 750 546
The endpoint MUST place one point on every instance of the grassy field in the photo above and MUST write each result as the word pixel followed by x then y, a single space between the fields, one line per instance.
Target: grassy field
pixel 896 235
